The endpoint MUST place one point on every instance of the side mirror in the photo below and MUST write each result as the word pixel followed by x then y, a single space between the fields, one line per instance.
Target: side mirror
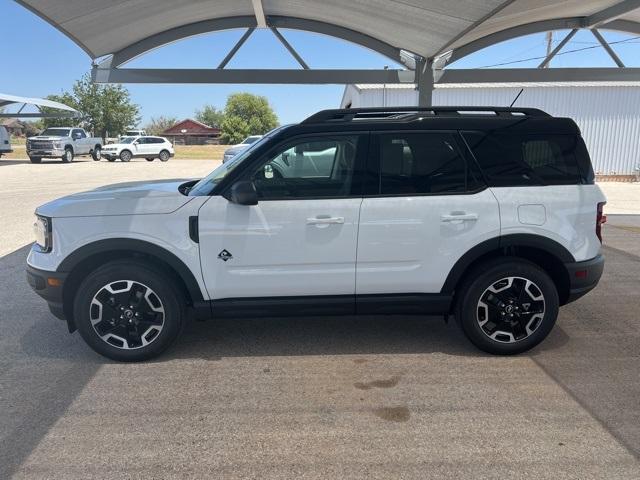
pixel 243 192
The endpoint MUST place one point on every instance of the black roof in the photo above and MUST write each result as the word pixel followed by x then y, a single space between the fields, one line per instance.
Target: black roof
pixel 530 120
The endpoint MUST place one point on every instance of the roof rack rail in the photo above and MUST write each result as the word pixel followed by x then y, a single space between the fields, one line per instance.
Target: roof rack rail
pixel 404 113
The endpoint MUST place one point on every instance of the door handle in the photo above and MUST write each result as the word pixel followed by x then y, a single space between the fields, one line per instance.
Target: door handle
pixel 455 217
pixel 325 220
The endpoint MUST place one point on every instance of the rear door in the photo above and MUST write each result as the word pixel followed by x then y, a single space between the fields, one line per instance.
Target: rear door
pixel 425 209
pixel 300 239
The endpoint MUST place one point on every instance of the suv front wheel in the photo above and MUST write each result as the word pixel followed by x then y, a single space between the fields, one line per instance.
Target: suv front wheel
pixel 129 311
pixel 507 306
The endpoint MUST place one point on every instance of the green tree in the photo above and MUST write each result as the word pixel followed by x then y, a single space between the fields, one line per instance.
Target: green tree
pixel 246 114
pixel 210 115
pixel 157 125
pixel 65 98
pixel 104 109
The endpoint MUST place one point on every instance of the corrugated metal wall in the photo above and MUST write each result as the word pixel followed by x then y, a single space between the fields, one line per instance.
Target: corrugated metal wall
pixel 608 116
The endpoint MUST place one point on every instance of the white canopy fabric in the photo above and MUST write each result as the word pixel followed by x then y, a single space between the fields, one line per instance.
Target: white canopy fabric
pixel 6 100
pixel 62 110
pixel 423 27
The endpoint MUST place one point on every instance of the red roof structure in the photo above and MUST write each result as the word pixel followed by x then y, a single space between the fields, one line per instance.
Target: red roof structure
pixel 192 132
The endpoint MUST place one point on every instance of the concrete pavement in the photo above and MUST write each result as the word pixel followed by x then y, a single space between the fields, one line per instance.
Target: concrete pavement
pixel 337 397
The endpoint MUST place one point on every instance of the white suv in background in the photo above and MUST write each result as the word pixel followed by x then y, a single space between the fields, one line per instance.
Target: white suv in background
pixel 487 214
pixel 149 148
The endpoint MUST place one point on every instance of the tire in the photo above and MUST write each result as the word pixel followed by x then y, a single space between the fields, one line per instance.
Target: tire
pixel 149 321
pixel 125 156
pixel 164 156
pixel 68 155
pixel 150 159
pixel 507 306
pixel 96 154
pixel 35 159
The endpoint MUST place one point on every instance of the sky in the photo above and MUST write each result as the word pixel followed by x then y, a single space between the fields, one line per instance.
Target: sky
pixel 37 60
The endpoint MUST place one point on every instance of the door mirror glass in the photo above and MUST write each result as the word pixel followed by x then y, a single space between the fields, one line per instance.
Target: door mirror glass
pixel 243 192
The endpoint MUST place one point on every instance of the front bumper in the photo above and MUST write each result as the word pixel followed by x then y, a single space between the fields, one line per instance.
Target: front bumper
pixel 49 286
pixel 584 276
pixel 49 153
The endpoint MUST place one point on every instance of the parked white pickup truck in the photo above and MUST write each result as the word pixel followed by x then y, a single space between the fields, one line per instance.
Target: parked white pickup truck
pixel 65 143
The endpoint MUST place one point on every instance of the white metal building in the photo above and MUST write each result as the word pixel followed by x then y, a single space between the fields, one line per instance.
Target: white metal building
pixel 608 113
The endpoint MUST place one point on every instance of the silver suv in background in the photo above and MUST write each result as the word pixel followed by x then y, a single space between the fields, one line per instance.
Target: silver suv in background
pixel 65 143
pixel 231 152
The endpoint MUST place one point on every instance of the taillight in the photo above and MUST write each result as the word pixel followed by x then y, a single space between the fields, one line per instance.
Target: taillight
pixel 601 219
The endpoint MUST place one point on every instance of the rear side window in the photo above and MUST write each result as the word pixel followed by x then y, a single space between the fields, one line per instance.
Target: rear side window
pixel 419 163
pixel 531 159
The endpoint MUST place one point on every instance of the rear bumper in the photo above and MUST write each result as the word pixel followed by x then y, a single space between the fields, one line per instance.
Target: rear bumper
pixel 584 276
pixel 49 286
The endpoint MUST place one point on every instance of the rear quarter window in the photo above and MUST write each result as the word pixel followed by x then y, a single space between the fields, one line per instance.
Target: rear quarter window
pixel 530 159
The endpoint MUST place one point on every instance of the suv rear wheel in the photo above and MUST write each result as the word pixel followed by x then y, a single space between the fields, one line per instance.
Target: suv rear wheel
pixel 129 311
pixel 507 306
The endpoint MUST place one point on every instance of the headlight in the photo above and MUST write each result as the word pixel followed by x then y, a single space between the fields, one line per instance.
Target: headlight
pixel 42 230
pixel 58 145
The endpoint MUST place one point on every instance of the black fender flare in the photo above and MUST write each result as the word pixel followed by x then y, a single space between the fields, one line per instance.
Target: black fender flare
pixel 514 240
pixel 134 246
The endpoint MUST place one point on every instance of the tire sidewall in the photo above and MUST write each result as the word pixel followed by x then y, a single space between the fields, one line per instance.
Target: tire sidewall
pixel 125 156
pixel 486 275
pixel 68 155
pixel 97 154
pixel 166 154
pixel 158 281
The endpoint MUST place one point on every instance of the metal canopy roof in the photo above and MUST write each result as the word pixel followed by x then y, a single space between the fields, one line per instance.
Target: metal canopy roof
pixel 7 100
pixel 423 35
pixel 423 27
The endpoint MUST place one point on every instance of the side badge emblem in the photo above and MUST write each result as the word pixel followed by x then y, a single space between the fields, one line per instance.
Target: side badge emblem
pixel 225 255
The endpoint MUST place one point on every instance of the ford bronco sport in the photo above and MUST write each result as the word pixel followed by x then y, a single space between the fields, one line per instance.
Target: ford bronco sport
pixel 487 214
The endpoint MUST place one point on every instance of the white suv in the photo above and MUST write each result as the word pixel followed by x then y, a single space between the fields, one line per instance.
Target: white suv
pixel 149 148
pixel 488 214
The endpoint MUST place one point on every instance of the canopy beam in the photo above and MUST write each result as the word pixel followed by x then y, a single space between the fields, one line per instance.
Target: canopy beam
pixel 249 76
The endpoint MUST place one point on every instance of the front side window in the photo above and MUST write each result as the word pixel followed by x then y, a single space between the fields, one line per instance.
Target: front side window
pixel 79 134
pixel 420 163
pixel 314 167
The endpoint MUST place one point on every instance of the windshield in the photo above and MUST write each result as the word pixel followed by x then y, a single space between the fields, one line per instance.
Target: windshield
pixel 204 186
pixel 251 139
pixel 56 132
pixel 127 139
pixel 131 133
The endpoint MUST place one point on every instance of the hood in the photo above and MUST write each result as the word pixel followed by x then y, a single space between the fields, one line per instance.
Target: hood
pixel 45 137
pixel 117 145
pixel 236 148
pixel 132 198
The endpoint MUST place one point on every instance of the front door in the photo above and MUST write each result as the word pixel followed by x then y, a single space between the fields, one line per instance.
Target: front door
pixel 300 240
